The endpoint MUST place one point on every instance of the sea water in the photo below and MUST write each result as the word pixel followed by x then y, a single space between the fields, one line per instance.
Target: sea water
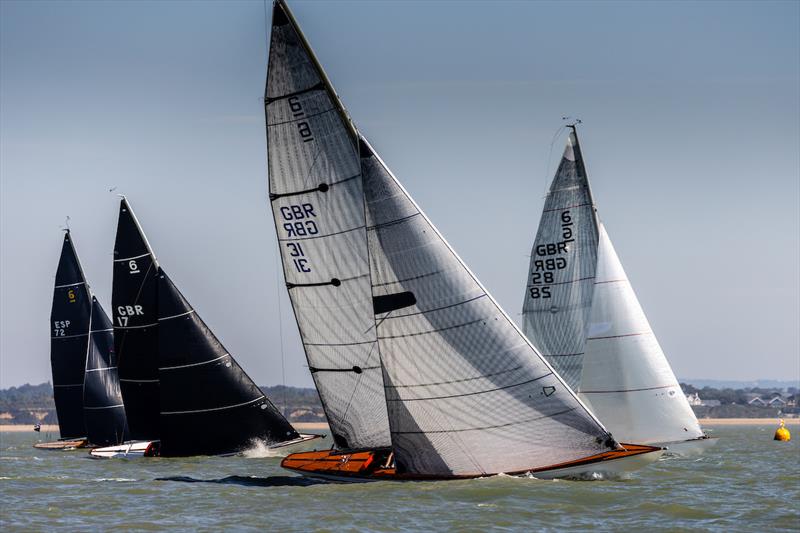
pixel 748 482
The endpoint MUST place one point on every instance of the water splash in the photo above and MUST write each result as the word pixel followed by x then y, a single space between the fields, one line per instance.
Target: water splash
pixel 258 449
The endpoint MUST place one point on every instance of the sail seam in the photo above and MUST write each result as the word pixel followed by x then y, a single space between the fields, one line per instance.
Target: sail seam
pixel 338 344
pixel 456 380
pixel 392 222
pixel 565 207
pixel 105 406
pixel 140 380
pixel 101 330
pixel 433 330
pixel 134 257
pixel 626 390
pixel 413 278
pixel 564 354
pixel 70 336
pixel 136 327
pixel 611 281
pixel 320 236
pixel 194 364
pixel 212 408
pixel 562 282
pixel 316 87
pixel 489 427
pixel 176 316
pixel 70 284
pixel 618 336
pixel 306 117
pixel 470 393
pixel 436 309
pixel 103 368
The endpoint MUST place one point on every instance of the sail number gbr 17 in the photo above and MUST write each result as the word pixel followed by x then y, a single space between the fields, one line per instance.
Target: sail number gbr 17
pixel 543 269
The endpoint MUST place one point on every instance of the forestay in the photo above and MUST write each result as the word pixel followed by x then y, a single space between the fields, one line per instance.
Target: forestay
pixel 69 334
pixel 626 378
pixel 558 295
pixel 103 409
pixel 467 394
pixel 317 200
pixel 203 387
pixel 134 303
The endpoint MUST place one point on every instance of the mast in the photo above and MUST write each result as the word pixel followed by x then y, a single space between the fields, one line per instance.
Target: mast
pixel 134 311
pixel 69 334
pixel 202 386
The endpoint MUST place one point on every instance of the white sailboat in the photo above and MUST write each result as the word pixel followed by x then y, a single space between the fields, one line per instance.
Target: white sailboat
pixel 420 373
pixel 581 311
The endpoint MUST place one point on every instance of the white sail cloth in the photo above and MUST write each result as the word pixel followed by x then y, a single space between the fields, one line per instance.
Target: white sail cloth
pixel 626 378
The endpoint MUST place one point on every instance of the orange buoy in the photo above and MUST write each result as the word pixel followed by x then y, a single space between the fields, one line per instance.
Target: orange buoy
pixel 782 434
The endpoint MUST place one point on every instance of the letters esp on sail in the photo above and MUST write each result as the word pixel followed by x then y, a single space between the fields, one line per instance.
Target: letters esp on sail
pixel 581 311
pixel 134 302
pixel 376 288
pixel 104 411
pixel 69 334
pixel 202 387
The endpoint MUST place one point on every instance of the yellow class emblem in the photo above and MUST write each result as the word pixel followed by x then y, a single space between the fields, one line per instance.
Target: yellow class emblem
pixel 71 296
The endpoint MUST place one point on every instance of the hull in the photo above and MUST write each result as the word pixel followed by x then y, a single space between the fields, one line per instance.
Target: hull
pixel 129 449
pixel 63 445
pixel 689 448
pixel 152 448
pixel 374 465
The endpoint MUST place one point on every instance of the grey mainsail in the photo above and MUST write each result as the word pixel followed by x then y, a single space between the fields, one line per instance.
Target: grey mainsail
pixel 377 290
pixel 317 201
pixel 558 295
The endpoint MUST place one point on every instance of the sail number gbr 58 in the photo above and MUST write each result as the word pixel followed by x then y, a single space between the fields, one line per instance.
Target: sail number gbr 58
pixel 549 259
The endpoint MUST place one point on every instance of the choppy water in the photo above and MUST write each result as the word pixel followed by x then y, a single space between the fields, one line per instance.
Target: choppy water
pixel 747 482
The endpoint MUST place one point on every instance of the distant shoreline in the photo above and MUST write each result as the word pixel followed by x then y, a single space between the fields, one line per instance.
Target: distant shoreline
pixel 322 426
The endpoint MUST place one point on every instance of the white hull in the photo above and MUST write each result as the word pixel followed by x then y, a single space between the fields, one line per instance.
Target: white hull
pixel 689 448
pixel 612 469
pixel 143 448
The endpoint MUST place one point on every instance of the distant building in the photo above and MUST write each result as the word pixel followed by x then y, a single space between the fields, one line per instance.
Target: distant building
pixel 694 399
pixel 777 401
pixel 758 402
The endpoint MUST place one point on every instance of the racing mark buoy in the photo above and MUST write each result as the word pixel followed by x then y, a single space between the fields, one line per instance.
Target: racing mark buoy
pixel 782 433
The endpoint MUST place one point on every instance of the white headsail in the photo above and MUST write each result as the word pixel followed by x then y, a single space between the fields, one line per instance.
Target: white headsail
pixel 581 311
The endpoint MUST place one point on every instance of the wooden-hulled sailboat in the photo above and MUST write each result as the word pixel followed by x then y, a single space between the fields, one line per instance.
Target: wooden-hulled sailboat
pixel 582 313
pixel 85 383
pixel 420 373
pixel 185 393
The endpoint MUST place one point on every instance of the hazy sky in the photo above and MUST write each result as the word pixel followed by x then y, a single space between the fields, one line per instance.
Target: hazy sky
pixel 691 115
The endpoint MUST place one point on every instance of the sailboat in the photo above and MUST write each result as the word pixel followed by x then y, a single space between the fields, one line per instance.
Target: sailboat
pixel 420 373
pixel 85 382
pixel 184 392
pixel 581 311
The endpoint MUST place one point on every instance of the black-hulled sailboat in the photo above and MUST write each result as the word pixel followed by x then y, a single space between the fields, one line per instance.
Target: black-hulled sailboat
pixel 420 373
pixel 184 393
pixel 85 382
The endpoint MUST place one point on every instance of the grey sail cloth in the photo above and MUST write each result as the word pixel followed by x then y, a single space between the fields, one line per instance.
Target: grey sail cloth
pixel 560 287
pixel 381 300
pixel 467 394
pixel 318 205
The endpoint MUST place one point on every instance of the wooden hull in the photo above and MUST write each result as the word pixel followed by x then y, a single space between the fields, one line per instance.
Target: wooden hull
pixel 370 465
pixel 63 445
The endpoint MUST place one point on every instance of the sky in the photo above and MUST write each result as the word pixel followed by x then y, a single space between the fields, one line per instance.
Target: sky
pixel 691 135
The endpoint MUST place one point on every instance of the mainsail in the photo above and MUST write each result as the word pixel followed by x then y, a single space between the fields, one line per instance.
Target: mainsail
pixel 375 288
pixel 134 303
pixel 203 387
pixel 69 334
pixel 318 204
pixel 581 311
pixel 103 410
